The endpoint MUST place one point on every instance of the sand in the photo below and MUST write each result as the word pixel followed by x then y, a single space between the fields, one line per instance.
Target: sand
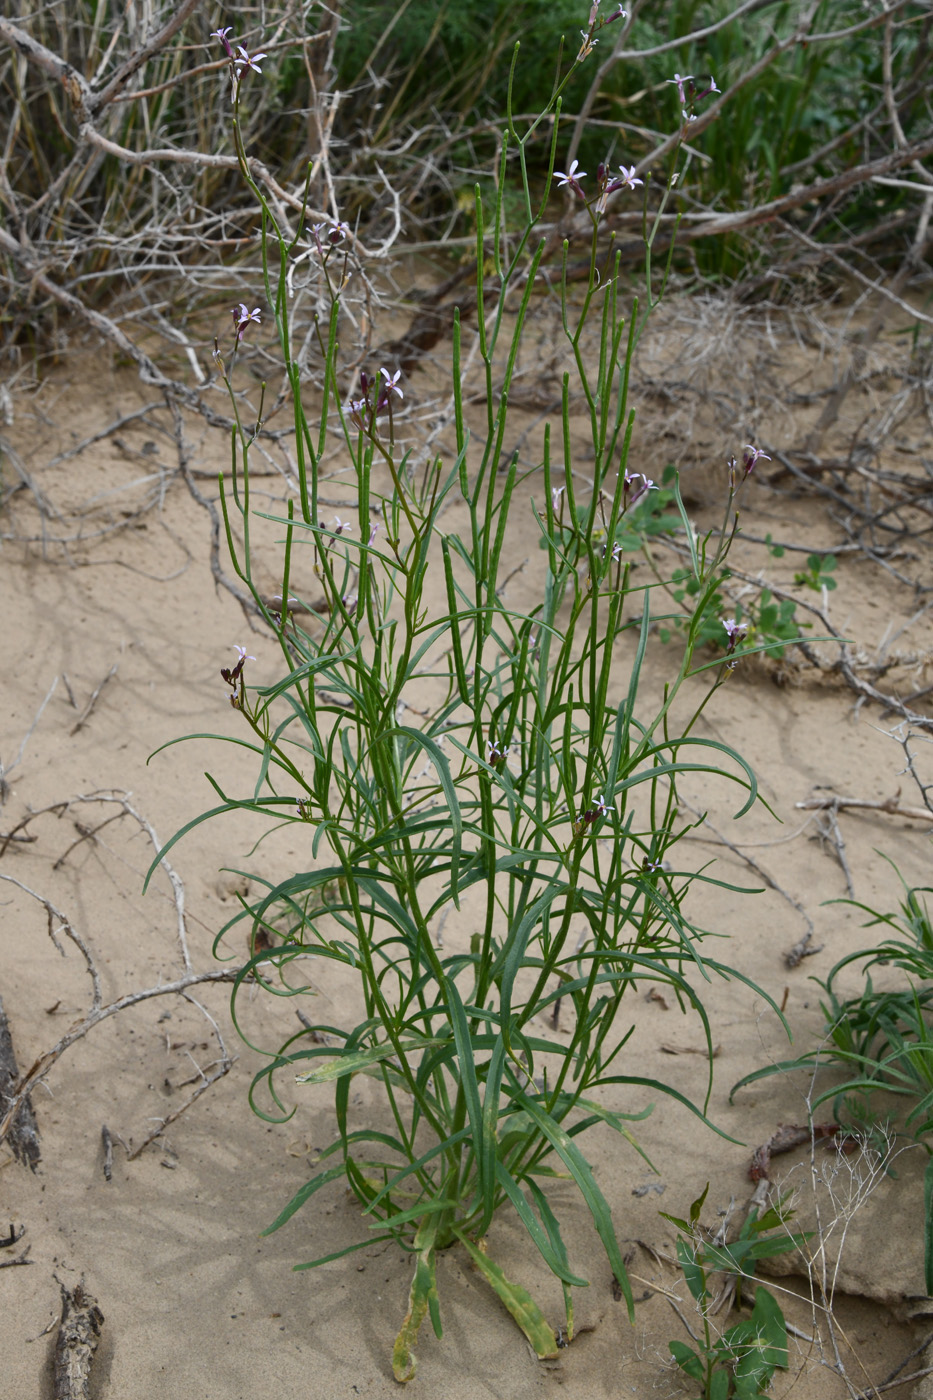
pixel 195 1303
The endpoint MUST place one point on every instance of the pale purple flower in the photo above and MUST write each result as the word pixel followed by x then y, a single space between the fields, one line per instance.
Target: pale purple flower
pixel 233 677
pixel 247 60
pixel 628 179
pixel 572 177
pixel 338 233
pixel 496 752
pixel 357 410
pixel 221 34
pixel 752 456
pixel 342 527
pixel 242 316
pixel 600 807
pixel 635 486
pixel 372 533
pixel 556 493
pixel 678 80
pixel 735 631
pixel 391 386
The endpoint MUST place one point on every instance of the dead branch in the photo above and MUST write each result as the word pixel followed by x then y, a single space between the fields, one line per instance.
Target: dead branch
pixel 77 1340
pixel 6 769
pixel 89 707
pixel 48 1058
pixel 106 1139
pixel 23 1135
pixel 17 1093
pixel 892 806
pixel 142 55
pixel 178 889
pixel 801 949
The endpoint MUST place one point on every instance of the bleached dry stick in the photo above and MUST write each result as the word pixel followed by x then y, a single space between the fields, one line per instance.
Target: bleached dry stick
pixel 833 802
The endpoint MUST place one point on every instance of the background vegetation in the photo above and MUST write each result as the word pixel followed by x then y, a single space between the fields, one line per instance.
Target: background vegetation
pixel 119 169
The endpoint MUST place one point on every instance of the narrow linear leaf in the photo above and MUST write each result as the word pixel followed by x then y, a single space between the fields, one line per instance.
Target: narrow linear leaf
pixel 359 1060
pixel 518 1300
pixel 423 1294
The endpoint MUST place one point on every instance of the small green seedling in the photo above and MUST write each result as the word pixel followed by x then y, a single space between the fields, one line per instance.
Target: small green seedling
pixel 741 1361
pixel 819 573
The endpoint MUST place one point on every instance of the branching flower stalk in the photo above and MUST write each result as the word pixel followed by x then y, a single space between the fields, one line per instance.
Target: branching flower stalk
pixel 533 800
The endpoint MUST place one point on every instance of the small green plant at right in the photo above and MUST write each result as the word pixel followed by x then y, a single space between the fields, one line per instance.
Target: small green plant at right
pixel 882 1040
pixel 741 1361
pixel 818 574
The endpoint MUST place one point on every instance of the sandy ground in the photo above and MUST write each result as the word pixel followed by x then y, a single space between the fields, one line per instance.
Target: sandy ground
pixel 195 1303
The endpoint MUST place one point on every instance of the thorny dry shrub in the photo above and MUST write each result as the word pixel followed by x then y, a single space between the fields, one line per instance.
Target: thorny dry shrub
pixel 118 185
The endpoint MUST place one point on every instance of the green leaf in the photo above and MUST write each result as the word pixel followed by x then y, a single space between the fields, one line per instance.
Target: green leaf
pixel 442 768
pixel 519 1302
pixel 422 1296
pixel 694 1276
pixel 582 1173
pixel 357 1060
pixel 687 1360
pixel 698 1204
pixel 306 1192
pixel 718 1385
pixel 555 1258
pixel 470 1086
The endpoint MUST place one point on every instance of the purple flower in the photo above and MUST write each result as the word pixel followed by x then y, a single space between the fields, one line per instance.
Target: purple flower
pixel 357 410
pixel 342 527
pixel 600 808
pixel 233 677
pixel 247 60
pixel 496 752
pixel 571 178
pixel 221 34
pixel 372 533
pixel 628 179
pixel 242 317
pixel 391 385
pixel 678 80
pixel 735 631
pixel 556 493
pixel 751 457
pixel 338 233
pixel 635 486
